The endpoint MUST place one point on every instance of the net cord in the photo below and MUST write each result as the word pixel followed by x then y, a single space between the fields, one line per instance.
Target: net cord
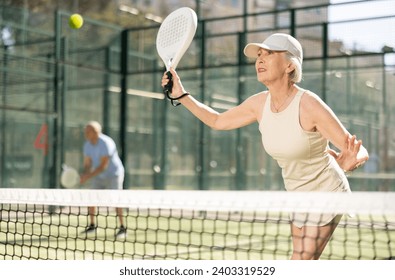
pixel 265 201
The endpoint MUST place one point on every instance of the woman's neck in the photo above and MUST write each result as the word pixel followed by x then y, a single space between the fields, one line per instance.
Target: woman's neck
pixel 281 96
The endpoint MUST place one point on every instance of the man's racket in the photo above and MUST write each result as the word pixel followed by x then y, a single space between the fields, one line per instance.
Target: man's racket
pixel 173 39
pixel 69 177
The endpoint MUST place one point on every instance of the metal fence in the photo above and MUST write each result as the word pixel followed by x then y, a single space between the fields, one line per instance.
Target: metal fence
pixel 54 81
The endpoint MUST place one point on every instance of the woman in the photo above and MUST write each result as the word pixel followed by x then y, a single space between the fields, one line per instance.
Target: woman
pixel 296 126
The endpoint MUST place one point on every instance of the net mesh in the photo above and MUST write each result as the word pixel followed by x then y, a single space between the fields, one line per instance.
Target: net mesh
pixel 223 225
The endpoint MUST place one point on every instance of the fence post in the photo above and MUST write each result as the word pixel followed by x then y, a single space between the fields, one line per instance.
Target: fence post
pixel 123 103
pixel 324 58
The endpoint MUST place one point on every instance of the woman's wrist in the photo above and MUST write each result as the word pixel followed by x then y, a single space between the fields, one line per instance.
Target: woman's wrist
pixel 175 100
pixel 347 172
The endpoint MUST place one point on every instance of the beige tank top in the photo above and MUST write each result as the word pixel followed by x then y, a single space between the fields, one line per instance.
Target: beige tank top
pixel 302 155
pixel 303 158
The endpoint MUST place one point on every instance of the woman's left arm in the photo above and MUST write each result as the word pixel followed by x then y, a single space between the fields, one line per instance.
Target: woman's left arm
pixel 319 116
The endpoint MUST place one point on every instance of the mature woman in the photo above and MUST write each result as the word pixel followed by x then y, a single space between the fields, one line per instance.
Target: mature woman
pixel 296 127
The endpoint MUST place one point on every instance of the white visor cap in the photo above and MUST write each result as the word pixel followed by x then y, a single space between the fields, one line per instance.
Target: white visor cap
pixel 276 42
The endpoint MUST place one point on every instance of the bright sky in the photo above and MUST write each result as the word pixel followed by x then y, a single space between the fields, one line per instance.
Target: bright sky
pixel 366 35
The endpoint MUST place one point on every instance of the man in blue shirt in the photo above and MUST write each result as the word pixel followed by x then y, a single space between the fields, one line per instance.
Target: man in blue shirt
pixel 103 166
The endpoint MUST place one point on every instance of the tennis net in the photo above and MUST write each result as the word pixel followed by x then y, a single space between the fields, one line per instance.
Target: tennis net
pixel 200 225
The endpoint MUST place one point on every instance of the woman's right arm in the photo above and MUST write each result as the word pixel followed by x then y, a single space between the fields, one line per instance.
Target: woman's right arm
pixel 236 117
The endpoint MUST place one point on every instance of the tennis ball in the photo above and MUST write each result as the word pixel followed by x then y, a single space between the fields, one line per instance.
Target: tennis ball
pixel 76 21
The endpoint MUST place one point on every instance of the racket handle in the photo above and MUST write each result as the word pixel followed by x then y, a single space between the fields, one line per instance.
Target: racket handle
pixel 168 88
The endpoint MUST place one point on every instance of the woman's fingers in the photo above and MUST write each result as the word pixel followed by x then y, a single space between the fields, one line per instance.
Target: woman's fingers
pixel 165 79
pixel 354 144
pixel 357 146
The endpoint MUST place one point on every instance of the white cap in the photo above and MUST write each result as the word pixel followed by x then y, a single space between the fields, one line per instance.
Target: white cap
pixel 276 42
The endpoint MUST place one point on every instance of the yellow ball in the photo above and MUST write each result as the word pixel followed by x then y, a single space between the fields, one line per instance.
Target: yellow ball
pixel 76 21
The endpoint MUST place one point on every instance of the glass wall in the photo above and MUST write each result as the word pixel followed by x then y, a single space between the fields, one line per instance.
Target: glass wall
pixel 53 83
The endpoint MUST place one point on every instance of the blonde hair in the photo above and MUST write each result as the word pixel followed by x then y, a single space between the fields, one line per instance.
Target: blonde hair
pixel 95 125
pixel 296 75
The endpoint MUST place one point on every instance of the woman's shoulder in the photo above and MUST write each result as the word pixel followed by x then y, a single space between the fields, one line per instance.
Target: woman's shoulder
pixel 257 99
pixel 310 97
pixel 312 104
pixel 260 95
pixel 308 93
pixel 256 102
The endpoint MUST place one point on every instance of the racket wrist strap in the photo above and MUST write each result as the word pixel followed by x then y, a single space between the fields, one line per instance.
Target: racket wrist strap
pixel 174 100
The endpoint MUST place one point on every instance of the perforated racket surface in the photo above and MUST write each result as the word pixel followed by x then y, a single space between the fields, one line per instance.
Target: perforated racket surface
pixel 175 35
pixel 174 38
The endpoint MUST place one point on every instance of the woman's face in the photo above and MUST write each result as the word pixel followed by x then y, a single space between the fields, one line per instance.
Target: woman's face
pixel 271 66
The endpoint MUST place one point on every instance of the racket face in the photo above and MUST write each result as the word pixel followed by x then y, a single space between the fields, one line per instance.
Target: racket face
pixel 175 35
pixel 69 178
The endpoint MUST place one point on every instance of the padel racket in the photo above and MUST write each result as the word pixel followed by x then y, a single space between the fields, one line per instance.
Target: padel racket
pixel 69 177
pixel 173 39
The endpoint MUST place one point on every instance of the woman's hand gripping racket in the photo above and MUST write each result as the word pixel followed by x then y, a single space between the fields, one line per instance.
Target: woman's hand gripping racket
pixel 69 177
pixel 173 39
